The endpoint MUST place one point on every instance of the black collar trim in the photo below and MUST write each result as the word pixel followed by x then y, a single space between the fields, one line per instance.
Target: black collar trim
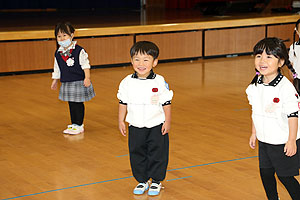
pixel 152 75
pixel 273 83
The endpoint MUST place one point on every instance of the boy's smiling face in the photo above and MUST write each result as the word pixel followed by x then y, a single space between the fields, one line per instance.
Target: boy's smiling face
pixel 142 64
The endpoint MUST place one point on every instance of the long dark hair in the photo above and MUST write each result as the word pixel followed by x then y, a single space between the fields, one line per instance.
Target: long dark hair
pixel 294 35
pixel 276 47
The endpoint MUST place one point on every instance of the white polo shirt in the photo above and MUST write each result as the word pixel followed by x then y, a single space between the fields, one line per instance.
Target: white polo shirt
pixel 144 99
pixel 295 60
pixel 271 106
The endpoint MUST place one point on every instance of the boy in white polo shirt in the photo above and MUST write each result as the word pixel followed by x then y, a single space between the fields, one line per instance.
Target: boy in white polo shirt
pixel 146 98
pixel 275 106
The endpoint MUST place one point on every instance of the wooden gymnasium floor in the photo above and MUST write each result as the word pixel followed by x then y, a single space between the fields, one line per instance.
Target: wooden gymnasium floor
pixel 209 154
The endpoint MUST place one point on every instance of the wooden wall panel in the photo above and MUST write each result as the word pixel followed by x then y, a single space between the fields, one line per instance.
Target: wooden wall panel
pixel 176 45
pixel 39 55
pixel 283 31
pixel 26 55
pixel 107 50
pixel 231 41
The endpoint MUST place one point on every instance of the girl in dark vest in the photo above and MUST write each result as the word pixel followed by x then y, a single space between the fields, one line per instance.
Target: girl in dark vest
pixel 72 68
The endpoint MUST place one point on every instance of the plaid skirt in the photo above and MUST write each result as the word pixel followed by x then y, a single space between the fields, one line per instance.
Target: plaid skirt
pixel 76 92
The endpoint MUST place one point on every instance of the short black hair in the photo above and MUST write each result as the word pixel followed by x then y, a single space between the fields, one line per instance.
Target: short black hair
pixel 272 46
pixel 64 27
pixel 145 47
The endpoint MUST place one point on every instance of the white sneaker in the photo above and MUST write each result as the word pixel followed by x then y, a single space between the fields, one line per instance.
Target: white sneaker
pixel 69 128
pixel 154 189
pixel 141 188
pixel 76 129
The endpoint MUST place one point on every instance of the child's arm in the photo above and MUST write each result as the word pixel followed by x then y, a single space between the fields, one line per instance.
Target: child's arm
pixel 252 141
pixel 55 75
pixel 87 79
pixel 122 114
pixel 85 65
pixel 290 147
pixel 54 84
pixel 167 125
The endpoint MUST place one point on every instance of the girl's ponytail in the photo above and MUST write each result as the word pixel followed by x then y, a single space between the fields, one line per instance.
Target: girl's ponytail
pixel 255 79
pixel 294 35
pixel 296 80
pixel 294 42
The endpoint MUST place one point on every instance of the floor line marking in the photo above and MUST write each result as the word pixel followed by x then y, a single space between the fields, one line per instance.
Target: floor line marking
pixel 122 155
pixel 179 178
pixel 212 163
pixel 117 179
pixel 69 187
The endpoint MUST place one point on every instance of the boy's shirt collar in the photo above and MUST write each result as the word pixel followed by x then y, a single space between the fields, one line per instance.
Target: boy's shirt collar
pixel 274 82
pixel 152 75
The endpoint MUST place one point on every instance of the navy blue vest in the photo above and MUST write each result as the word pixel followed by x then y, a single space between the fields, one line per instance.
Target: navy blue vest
pixel 70 73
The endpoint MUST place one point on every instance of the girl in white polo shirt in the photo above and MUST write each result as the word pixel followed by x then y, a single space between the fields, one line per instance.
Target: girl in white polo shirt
pixel 146 98
pixel 275 106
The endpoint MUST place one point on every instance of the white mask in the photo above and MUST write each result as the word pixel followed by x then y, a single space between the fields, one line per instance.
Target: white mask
pixel 65 43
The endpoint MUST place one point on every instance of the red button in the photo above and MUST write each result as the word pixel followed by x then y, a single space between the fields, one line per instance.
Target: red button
pixel 276 100
pixel 154 89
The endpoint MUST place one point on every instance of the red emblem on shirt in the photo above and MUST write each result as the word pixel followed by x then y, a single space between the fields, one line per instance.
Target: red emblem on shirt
pixel 154 89
pixel 276 100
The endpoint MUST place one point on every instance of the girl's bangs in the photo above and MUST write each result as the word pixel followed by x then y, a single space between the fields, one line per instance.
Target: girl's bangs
pixel 269 47
pixel 63 28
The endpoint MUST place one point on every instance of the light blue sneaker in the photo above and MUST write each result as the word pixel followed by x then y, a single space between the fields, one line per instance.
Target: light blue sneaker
pixel 141 188
pixel 154 189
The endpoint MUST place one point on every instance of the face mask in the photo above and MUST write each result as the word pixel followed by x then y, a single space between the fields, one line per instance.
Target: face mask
pixel 64 43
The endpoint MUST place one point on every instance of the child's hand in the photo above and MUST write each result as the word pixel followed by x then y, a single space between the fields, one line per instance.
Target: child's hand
pixel 122 128
pixel 165 128
pixel 87 82
pixel 54 84
pixel 252 141
pixel 290 148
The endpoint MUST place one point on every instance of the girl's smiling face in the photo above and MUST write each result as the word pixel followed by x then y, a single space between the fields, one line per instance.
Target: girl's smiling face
pixel 267 65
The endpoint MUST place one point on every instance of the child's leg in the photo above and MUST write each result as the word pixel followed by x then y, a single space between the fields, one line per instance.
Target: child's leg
pixel 158 153
pixel 138 153
pixel 292 186
pixel 269 182
pixel 76 112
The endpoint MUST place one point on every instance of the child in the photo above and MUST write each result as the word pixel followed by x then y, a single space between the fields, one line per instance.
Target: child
pixel 294 55
pixel 71 66
pixel 274 102
pixel 147 99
